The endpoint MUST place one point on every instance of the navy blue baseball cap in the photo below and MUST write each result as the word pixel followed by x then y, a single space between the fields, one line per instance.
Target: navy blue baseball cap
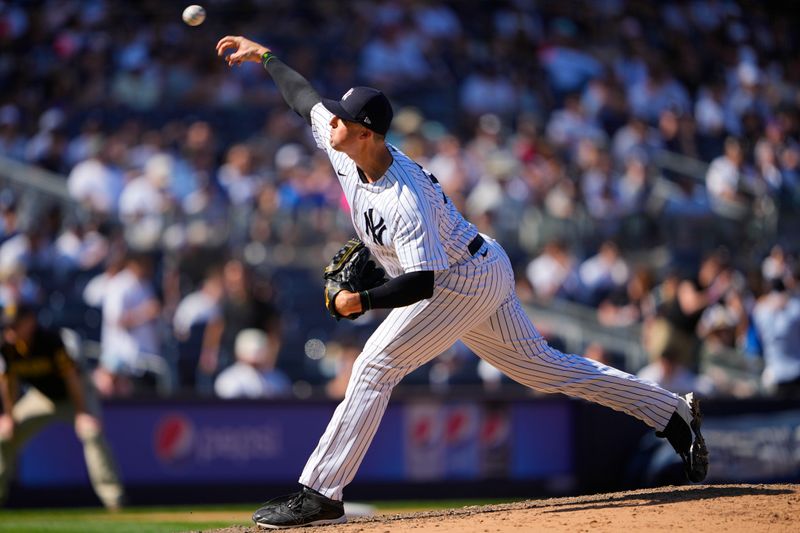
pixel 365 105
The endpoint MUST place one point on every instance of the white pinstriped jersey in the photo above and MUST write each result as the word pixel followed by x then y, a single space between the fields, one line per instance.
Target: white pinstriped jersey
pixel 409 225
pixel 404 218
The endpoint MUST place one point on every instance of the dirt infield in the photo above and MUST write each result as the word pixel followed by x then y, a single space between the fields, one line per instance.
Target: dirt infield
pixel 729 508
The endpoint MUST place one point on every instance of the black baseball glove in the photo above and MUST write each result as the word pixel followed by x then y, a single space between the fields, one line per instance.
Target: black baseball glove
pixel 351 269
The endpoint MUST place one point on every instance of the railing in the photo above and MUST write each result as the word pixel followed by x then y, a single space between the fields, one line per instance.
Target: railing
pixel 577 326
pixel 34 178
pixel 681 164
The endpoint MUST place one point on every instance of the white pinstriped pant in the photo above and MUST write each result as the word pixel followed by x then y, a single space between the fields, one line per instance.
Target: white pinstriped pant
pixel 474 302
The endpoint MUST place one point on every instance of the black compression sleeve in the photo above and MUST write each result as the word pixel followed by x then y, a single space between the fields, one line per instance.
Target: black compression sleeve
pixel 294 88
pixel 401 291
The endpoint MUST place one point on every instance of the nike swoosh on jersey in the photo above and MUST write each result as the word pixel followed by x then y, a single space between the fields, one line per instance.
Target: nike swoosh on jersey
pixel 340 173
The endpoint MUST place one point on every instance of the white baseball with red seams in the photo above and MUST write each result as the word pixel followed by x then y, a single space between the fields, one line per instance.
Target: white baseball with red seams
pixel 410 225
pixel 194 15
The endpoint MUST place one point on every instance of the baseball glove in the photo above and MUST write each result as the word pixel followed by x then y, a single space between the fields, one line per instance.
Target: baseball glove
pixel 351 269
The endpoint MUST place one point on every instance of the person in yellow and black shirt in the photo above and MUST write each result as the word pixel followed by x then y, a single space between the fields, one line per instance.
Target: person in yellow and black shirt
pixel 39 383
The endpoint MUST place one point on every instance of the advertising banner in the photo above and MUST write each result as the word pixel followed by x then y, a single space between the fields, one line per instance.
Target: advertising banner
pixel 244 442
pixel 203 443
pixel 471 441
pixel 754 448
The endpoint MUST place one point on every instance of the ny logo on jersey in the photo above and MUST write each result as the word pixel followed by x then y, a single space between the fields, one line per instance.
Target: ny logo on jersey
pixel 373 229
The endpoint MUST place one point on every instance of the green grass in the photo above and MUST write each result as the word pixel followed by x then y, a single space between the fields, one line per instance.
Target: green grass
pixel 171 519
pixel 133 520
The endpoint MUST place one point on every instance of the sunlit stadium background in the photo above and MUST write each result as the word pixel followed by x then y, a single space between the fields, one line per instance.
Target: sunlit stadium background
pixel 640 161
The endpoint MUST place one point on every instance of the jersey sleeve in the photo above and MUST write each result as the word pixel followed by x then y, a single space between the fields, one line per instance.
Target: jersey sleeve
pixel 64 362
pixel 416 238
pixel 321 126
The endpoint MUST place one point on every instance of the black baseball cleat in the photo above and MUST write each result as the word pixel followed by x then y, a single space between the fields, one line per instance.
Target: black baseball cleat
pixel 683 432
pixel 305 508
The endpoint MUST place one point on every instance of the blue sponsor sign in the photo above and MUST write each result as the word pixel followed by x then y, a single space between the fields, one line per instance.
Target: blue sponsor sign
pixel 542 445
pixel 244 442
pixel 472 441
pixel 755 448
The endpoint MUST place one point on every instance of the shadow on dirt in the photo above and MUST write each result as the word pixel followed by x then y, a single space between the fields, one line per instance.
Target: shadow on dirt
pixel 661 496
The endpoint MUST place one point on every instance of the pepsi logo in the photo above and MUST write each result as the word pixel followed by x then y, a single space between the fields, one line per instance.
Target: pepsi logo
pixel 461 425
pixel 422 430
pixel 495 429
pixel 174 438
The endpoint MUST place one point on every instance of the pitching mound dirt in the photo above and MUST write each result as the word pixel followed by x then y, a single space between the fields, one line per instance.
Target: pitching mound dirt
pixel 728 508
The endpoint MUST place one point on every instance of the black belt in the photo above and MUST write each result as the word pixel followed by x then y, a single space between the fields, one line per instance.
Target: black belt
pixel 475 245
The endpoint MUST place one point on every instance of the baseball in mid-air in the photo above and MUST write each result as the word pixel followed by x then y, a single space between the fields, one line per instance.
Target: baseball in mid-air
pixel 194 15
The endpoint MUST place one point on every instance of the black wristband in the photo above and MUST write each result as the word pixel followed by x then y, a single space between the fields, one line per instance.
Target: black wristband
pixel 265 58
pixel 366 302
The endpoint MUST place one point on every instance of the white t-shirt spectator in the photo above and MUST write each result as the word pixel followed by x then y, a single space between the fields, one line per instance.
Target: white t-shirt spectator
pixel 196 308
pixel 722 178
pixel 569 68
pixel 567 127
pixel 122 347
pixel 394 60
pixel 709 113
pixel 141 198
pixel 438 22
pixel 84 251
pixel 240 188
pixel 777 319
pixel 95 290
pixel 648 98
pixel 598 273
pixel 482 93
pixel 546 275
pixel 245 381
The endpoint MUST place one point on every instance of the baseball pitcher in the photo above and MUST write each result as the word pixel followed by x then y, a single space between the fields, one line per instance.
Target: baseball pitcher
pixel 446 283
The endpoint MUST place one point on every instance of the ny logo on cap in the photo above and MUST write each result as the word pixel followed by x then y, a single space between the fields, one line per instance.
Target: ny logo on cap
pixel 348 93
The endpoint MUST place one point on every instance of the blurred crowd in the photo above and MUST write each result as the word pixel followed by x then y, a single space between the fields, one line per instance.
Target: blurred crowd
pixel 637 158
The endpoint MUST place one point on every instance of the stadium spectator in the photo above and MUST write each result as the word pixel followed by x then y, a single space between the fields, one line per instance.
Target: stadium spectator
pixel 596 352
pixel 344 352
pixel 668 371
pixel 635 137
pixel 487 91
pixel 12 141
pixel 570 125
pixel 253 375
pixel 147 197
pixel 777 265
pixel 192 315
pixel 551 271
pixel 729 182
pixel 656 93
pixel 130 345
pixel 633 187
pixel 82 246
pixel 602 273
pixel 237 175
pixel 9 214
pixel 631 304
pixel 777 320
pixel 394 58
pixel 93 182
pixel 245 305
